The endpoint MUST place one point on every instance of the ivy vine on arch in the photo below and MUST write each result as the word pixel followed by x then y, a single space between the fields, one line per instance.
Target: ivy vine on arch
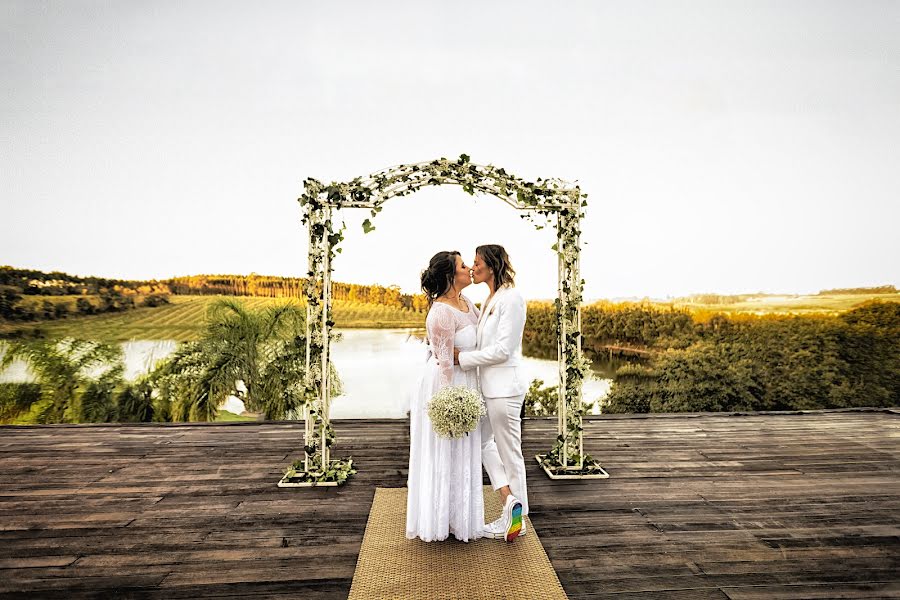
pixel 545 197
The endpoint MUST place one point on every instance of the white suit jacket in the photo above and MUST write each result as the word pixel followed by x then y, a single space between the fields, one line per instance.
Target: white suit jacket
pixel 499 354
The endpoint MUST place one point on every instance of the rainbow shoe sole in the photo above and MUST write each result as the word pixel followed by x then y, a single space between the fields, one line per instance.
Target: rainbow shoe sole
pixel 515 523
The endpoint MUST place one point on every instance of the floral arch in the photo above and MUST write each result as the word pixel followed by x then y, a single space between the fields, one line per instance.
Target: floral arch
pixel 546 197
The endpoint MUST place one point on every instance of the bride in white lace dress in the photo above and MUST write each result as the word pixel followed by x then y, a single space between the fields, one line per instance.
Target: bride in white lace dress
pixel 445 494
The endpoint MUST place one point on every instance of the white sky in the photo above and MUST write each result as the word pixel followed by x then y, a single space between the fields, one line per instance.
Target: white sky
pixel 726 146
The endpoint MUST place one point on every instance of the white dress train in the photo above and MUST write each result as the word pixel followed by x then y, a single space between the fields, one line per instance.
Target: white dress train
pixel 444 483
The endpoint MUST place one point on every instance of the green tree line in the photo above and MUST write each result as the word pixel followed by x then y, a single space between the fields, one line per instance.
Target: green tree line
pixel 292 287
pixel 39 283
pixel 770 363
pixel 884 289
pixel 14 307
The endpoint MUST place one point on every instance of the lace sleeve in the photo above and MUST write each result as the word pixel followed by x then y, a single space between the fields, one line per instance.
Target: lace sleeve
pixel 441 328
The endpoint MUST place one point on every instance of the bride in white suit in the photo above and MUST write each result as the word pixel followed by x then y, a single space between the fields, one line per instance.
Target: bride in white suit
pixel 498 360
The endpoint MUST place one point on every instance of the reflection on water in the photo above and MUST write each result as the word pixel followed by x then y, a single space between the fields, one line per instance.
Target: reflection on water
pixel 378 368
pixel 142 355
pixel 139 357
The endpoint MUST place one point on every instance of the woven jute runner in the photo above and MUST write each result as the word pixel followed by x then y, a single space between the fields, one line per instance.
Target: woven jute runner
pixel 391 566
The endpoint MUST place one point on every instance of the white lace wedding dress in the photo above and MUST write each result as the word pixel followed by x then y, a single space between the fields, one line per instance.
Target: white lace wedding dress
pixel 444 484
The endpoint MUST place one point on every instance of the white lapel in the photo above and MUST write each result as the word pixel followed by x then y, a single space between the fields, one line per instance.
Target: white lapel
pixel 486 312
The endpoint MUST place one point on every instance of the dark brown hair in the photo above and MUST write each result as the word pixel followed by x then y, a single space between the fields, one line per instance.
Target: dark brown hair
pixel 496 259
pixel 438 277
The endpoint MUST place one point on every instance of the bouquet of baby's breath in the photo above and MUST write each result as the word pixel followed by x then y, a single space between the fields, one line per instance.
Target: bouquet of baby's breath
pixel 455 411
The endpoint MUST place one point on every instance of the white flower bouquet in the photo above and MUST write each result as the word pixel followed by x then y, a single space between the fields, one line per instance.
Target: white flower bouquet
pixel 455 411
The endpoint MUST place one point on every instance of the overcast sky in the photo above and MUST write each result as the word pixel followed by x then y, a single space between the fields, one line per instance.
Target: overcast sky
pixel 725 146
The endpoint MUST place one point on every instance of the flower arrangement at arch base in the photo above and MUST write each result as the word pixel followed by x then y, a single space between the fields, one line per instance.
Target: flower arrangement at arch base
pixel 310 470
pixel 589 468
pixel 337 473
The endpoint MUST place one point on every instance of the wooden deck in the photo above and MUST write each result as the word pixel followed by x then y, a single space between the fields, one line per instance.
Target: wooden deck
pixel 698 506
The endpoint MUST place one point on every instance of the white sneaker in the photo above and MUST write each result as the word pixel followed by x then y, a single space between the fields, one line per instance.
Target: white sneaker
pixel 512 518
pixel 495 530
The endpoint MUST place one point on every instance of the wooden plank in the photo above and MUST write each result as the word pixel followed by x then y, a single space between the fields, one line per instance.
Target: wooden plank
pixel 868 591
pixel 698 506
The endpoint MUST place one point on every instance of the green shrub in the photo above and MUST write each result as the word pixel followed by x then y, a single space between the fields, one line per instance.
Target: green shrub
pixel 154 300
pixel 541 402
pixel 134 404
pixel 96 403
pixel 16 399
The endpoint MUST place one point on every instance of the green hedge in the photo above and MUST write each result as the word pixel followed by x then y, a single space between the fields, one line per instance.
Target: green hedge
pixel 772 363
pixel 16 399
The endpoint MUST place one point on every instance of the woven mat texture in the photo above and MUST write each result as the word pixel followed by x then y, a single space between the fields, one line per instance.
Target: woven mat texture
pixel 391 566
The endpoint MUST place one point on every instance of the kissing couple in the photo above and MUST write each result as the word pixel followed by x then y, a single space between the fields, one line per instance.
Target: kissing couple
pixel 480 350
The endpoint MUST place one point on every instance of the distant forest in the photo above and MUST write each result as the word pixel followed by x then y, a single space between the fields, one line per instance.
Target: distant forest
pixel 884 289
pixel 31 295
pixel 292 287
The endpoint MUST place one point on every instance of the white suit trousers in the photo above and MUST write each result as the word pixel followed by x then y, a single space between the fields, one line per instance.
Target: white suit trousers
pixel 501 446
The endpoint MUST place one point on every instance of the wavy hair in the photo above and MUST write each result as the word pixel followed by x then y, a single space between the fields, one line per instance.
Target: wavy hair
pixel 496 259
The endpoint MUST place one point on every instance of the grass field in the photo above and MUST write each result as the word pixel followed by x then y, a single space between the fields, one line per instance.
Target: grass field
pixel 183 320
pixel 226 417
pixel 800 305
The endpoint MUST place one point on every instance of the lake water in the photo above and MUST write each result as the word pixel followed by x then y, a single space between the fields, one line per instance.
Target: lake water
pixel 140 356
pixel 378 368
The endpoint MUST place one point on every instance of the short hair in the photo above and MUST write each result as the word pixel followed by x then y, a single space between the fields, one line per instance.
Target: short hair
pixel 496 258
